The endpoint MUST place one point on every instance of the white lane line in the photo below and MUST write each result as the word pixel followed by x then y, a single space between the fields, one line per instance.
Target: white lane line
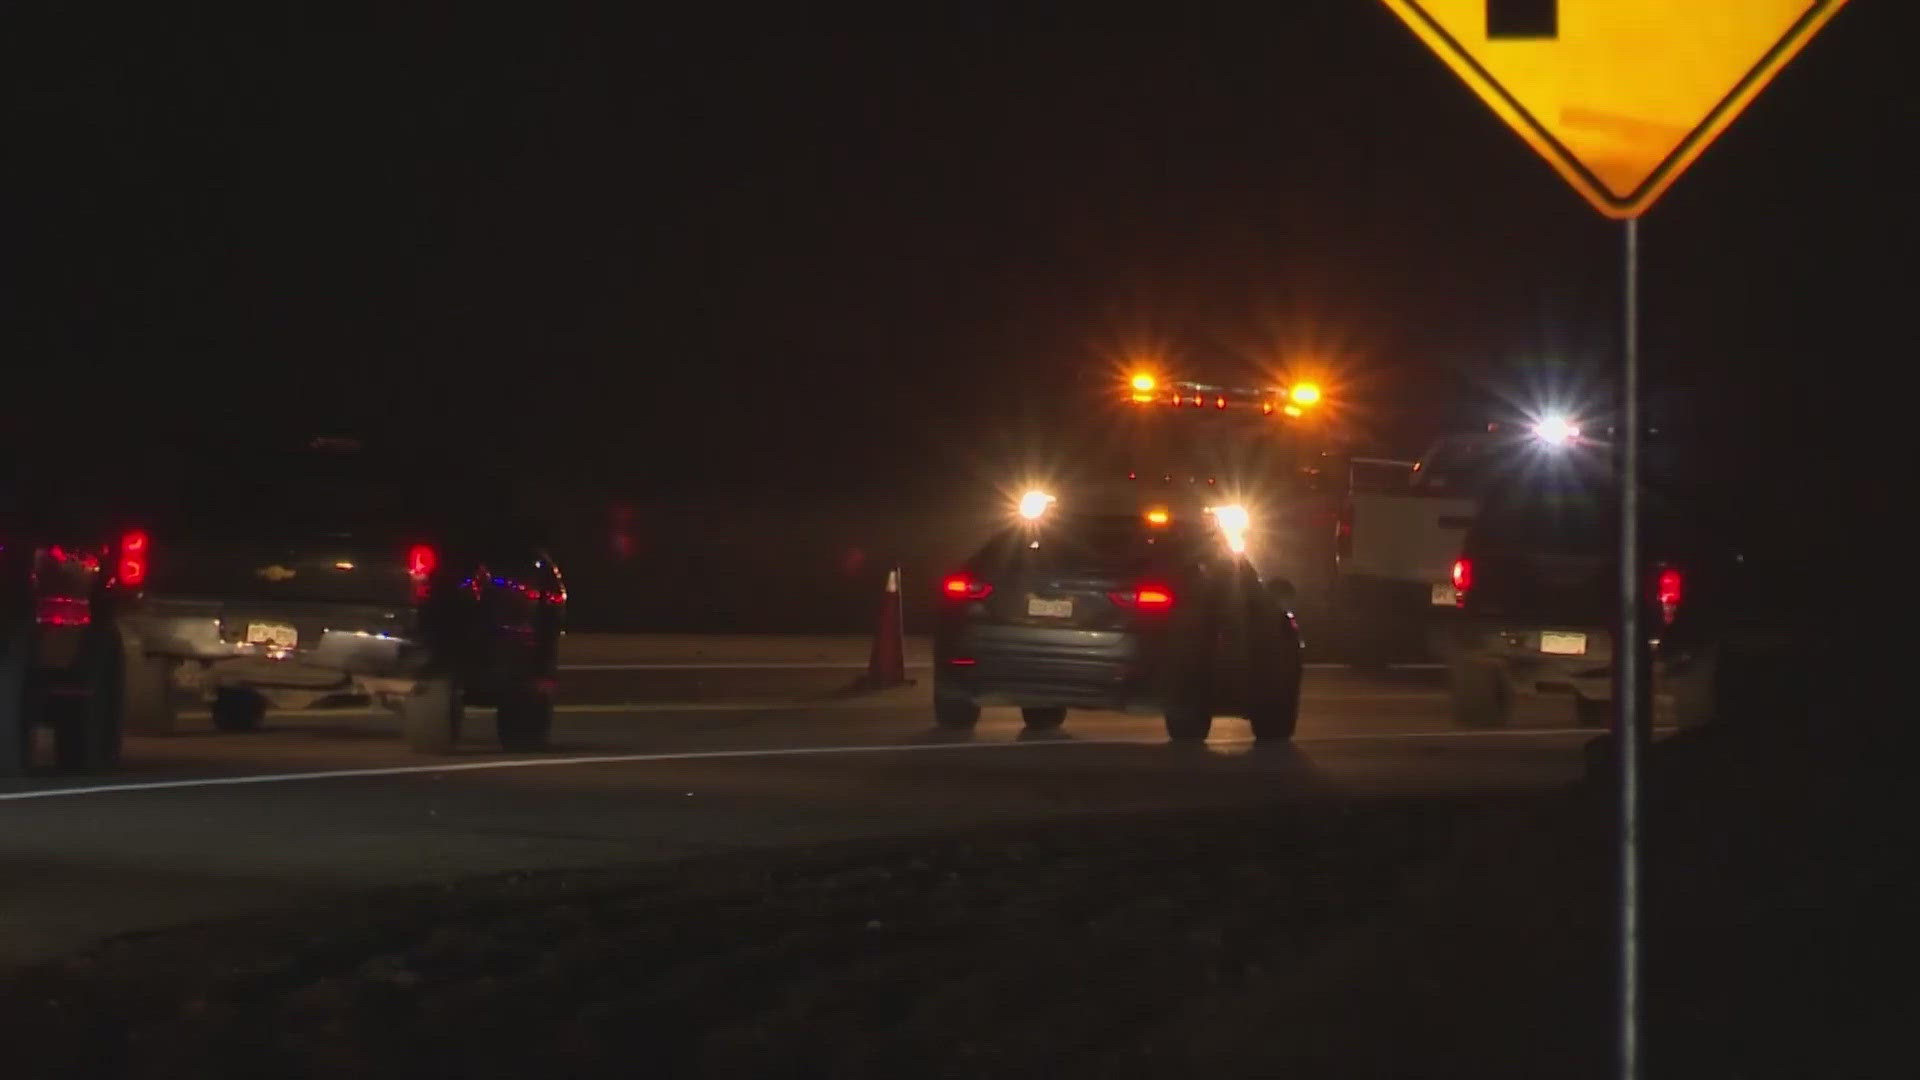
pixel 710 755
pixel 742 665
pixel 776 705
pixel 837 665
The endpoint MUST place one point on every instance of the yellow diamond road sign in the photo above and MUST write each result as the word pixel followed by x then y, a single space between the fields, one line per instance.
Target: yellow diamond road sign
pixel 1620 96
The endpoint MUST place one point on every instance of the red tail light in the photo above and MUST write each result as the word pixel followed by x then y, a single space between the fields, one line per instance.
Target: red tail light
pixel 422 560
pixel 1668 588
pixel 1149 598
pixel 965 587
pixel 134 552
pixel 63 611
pixel 1462 580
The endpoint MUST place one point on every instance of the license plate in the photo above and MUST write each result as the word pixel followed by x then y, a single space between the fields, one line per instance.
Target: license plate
pixel 1564 644
pixel 1050 609
pixel 1443 594
pixel 272 635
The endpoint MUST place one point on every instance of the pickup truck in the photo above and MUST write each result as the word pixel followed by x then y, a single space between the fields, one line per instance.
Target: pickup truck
pixel 287 577
pixel 56 670
pixel 1399 533
pixel 1537 588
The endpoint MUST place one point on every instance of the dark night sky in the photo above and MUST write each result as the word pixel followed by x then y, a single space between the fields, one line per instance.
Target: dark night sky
pixel 642 253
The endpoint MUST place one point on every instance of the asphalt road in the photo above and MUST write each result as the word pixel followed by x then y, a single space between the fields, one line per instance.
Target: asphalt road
pixel 668 747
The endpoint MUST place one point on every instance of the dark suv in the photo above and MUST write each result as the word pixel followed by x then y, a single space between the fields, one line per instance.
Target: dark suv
pixel 292 576
pixel 1143 610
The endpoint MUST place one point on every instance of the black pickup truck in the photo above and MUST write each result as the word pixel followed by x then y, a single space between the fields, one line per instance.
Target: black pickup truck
pixel 56 668
pixel 1537 584
pixel 289 576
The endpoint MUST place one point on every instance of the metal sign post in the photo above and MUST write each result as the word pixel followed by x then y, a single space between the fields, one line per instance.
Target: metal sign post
pixel 1630 665
pixel 1620 97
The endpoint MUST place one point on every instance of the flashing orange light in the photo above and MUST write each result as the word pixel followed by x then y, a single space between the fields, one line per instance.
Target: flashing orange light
pixel 1143 383
pixel 1158 517
pixel 1305 393
pixel 1292 410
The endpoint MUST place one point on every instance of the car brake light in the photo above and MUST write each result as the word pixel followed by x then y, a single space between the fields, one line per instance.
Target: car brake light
pixel 1668 589
pixel 422 560
pixel 1462 580
pixel 1145 598
pixel 133 559
pixel 965 587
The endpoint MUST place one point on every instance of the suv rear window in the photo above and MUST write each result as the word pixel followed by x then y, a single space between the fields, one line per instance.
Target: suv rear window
pixel 1097 542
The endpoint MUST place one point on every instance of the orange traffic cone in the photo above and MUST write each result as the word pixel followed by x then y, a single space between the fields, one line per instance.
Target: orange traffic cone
pixel 887 664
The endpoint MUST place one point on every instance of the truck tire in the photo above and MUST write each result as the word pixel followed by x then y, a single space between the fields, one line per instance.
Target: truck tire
pixel 954 713
pixel 16 721
pixel 86 719
pixel 238 708
pixel 431 716
pixel 146 691
pixel 524 719
pixel 1047 718
pixel 1482 695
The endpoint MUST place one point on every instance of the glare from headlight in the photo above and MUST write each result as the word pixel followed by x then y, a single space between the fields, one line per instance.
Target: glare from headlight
pixel 1555 431
pixel 1033 504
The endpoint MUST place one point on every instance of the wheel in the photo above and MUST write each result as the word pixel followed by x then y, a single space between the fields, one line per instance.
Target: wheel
pixel 86 721
pixel 146 691
pixel 955 713
pixel 1482 697
pixel 1276 717
pixel 1188 721
pixel 16 727
pixel 525 718
pixel 430 716
pixel 1592 712
pixel 238 708
pixel 1044 718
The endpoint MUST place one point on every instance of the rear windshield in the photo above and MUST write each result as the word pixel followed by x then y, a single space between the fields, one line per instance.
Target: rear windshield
pixel 1464 465
pixel 1097 542
pixel 1548 519
pixel 345 488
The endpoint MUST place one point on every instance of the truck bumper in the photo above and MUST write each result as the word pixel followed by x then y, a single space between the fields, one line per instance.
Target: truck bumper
pixel 318 649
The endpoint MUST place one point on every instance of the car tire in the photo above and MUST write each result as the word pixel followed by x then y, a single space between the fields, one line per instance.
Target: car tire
pixel 86 721
pixel 1592 712
pixel 1275 718
pixel 1043 718
pixel 238 709
pixel 955 713
pixel 16 719
pixel 524 719
pixel 431 716
pixel 1482 695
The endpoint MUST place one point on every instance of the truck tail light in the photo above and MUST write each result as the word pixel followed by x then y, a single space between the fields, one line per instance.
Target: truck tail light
pixel 135 551
pixel 422 560
pixel 1462 580
pixel 1668 589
